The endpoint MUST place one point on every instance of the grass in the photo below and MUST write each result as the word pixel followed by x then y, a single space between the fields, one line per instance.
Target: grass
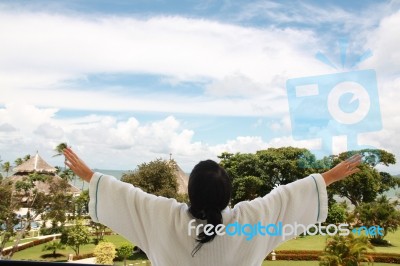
pixel 394 239
pixel 318 242
pixel 301 243
pixel 36 253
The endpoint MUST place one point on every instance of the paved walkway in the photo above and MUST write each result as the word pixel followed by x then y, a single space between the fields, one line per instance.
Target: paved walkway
pixel 86 261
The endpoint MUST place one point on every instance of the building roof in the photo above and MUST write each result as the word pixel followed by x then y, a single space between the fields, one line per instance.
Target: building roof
pixel 35 164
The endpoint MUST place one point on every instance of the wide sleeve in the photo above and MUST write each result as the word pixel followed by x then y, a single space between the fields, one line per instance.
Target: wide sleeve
pixel 127 210
pixel 303 202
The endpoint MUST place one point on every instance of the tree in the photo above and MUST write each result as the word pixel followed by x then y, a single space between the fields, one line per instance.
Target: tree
pixel 60 148
pixel 368 183
pixel 257 174
pixel 155 177
pixel 124 251
pixel 6 168
pixel 27 157
pixel 336 214
pixel 104 253
pixel 81 204
pixel 76 236
pixel 346 251
pixel 18 161
pixel 381 213
pixel 8 216
pixel 52 205
pixel 245 188
pixel 99 231
pixel 59 203
pixel 53 246
pixel 67 174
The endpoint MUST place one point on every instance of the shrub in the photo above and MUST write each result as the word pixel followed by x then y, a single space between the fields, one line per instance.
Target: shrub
pixel 105 253
pixel 346 251
pixel 379 242
pixel 336 214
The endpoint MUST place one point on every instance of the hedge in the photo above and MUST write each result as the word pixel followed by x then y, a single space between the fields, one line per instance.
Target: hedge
pixel 314 255
pixel 30 244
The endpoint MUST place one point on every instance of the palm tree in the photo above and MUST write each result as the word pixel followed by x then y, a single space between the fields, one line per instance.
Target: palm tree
pixel 18 161
pixel 60 148
pixel 346 251
pixel 6 168
pixel 67 174
pixel 53 246
pixel 27 157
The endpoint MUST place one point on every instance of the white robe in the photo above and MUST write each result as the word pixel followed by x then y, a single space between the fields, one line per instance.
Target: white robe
pixel 159 226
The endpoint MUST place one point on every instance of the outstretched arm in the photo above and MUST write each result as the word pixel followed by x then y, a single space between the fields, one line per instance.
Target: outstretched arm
pixel 342 170
pixel 77 165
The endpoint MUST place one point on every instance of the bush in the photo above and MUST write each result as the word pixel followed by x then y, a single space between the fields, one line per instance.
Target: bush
pixel 346 250
pixel 105 253
pixel 336 214
pixel 379 242
pixel 313 255
pixel 51 230
pixel 124 251
pixel 393 258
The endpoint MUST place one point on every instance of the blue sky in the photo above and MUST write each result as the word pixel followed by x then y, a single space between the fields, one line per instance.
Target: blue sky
pixel 126 82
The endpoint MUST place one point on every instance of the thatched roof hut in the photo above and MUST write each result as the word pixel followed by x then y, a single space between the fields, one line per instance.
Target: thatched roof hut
pixel 36 164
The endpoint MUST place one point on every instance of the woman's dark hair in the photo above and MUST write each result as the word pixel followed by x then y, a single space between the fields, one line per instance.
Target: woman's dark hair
pixel 209 190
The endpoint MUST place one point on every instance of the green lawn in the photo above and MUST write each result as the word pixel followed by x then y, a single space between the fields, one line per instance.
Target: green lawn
pixel 301 243
pixel 35 253
pixel 318 242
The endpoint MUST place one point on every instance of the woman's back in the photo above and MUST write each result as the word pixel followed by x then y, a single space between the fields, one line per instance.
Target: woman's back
pixel 166 231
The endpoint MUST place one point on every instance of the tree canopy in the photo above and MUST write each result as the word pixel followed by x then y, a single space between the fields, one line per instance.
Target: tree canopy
pixel 256 174
pixel 76 236
pixel 369 182
pixel 156 177
pixel 381 212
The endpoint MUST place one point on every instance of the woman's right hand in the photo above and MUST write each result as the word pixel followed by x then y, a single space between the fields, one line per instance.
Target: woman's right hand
pixel 77 165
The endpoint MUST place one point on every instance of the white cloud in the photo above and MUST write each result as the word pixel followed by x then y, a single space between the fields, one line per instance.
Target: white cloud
pixel 49 131
pixel 41 51
pixel 246 66
pixel 25 118
pixel 242 144
pixel 7 128
pixel 383 41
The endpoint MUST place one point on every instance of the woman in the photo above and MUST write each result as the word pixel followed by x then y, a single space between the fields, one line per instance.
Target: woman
pixel 173 233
